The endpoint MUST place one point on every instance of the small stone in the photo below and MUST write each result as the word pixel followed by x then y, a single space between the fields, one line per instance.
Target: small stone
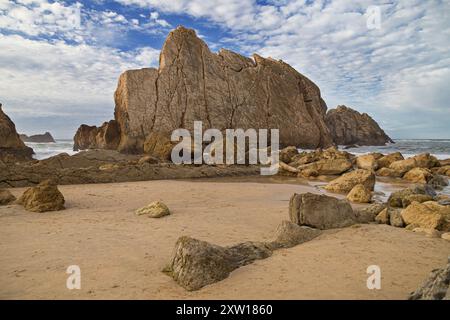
pixel 155 209
pixel 6 197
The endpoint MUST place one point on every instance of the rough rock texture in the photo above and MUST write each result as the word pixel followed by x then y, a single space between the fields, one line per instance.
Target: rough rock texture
pixel 386 160
pixel 382 217
pixel 349 127
pixel 369 213
pixel 289 234
pixel 395 218
pixel 359 194
pixel 106 166
pixel 418 175
pixel 347 181
pixel 430 215
pixel 288 153
pixel 12 147
pixel 386 172
pixel 424 160
pixel 91 137
pixel 435 287
pixel 39 138
pixel 159 145
pixel 407 200
pixel 320 211
pixel 44 197
pixel 155 209
pixel 328 166
pixel 367 162
pixel 399 199
pixel 223 90
pixel 197 263
pixel 6 197
pixel 444 170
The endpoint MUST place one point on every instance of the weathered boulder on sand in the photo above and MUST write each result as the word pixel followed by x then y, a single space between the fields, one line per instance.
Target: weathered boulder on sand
pixel 44 197
pixel 359 194
pixel 320 211
pixel 289 234
pixel 349 127
pixel 397 198
pixel 367 162
pixel 418 175
pixel 430 215
pixel 386 161
pixel 197 263
pixel 155 209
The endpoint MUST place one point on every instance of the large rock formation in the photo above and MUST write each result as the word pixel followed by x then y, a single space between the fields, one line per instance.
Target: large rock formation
pixel 223 90
pixel 12 147
pixel 39 138
pixel 349 127
pixel 92 137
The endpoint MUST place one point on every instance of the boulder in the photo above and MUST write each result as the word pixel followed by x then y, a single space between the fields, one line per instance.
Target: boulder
pixel 155 209
pixel 396 198
pixel 395 217
pixel 430 215
pixel 289 234
pixel 223 90
pixel 287 154
pixel 349 180
pixel 437 181
pixel 418 175
pixel 12 148
pixel 286 170
pixel 359 194
pixel 403 166
pixel 385 161
pixel 197 263
pixel 349 127
pixel 308 173
pixel 424 160
pixel 320 211
pixel 444 170
pixel 435 287
pixel 383 217
pixel 444 162
pixel 38 138
pixel 6 197
pixel 407 200
pixel 107 136
pixel 369 213
pixel 328 166
pixel 42 198
pixel 367 162
pixel 387 172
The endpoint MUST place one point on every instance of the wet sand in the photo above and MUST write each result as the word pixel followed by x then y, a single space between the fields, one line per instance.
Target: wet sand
pixel 121 255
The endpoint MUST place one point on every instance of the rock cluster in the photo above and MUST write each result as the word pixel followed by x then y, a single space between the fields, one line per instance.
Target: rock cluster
pixel 12 148
pixel 349 127
pixel 107 136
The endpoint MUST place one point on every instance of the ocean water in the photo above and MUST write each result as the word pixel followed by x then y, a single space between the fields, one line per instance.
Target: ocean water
pixel 440 148
pixel 437 147
pixel 46 150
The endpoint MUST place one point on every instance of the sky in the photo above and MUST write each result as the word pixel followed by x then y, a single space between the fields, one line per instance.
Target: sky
pixel 60 60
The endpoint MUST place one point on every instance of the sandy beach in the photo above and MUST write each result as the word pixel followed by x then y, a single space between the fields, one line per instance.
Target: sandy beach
pixel 121 255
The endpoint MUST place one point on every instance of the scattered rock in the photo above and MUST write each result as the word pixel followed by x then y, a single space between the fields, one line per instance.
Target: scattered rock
pixel 437 181
pixel 197 263
pixel 328 166
pixel 42 198
pixel 148 159
pixel 308 172
pixel 435 287
pixel 286 170
pixel 444 170
pixel 396 198
pixel 359 194
pixel 403 166
pixel 395 218
pixel 446 236
pixel 369 213
pixel 383 217
pixel 407 200
pixel 387 172
pixel 320 211
pixel 289 234
pixel 385 162
pixel 367 162
pixel 424 160
pixel 428 215
pixel 418 175
pixel 349 127
pixel 155 209
pixel 287 154
pixel 349 180
pixel 6 197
